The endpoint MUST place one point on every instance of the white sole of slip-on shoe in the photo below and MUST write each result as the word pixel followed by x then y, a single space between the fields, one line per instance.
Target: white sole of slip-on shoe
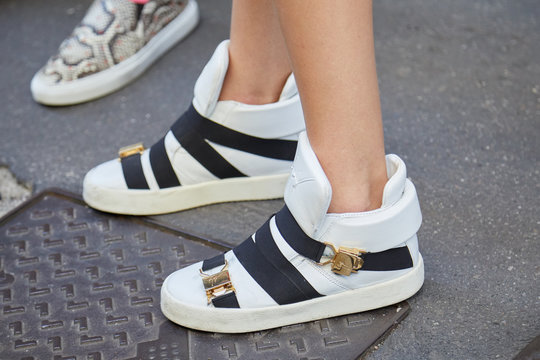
pixel 119 75
pixel 254 319
pixel 161 201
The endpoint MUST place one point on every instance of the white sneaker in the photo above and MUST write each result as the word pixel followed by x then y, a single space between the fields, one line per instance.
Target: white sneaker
pixel 116 41
pixel 217 151
pixel 304 264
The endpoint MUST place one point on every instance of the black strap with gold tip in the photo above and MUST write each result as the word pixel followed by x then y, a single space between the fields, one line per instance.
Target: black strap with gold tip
pixel 219 282
pixel 388 260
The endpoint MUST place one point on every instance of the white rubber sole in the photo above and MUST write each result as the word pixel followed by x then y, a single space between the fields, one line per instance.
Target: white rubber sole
pixel 162 201
pixel 119 75
pixel 246 320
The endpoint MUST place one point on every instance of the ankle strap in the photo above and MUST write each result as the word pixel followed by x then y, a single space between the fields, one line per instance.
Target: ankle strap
pixel 392 259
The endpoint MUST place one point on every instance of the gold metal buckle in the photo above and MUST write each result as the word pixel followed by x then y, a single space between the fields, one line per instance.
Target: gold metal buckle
pixel 217 284
pixel 131 150
pixel 345 260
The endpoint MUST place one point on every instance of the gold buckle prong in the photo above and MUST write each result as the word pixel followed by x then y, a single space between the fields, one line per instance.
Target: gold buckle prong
pixel 345 260
pixel 129 150
pixel 217 284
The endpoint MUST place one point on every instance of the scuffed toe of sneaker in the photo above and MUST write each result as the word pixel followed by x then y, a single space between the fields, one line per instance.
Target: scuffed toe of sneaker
pixel 102 183
pixel 108 175
pixel 185 286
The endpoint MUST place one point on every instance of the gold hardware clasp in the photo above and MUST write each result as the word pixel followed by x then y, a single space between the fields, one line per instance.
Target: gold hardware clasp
pixel 217 284
pixel 131 150
pixel 345 260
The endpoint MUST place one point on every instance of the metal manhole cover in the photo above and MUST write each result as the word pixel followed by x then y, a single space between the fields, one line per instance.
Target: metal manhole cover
pixel 79 284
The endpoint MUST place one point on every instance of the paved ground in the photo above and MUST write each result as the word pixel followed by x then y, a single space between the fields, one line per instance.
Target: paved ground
pixel 460 85
pixel 12 192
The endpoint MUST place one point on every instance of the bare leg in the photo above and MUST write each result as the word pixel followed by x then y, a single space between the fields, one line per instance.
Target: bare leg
pixel 258 65
pixel 332 53
pixel 330 45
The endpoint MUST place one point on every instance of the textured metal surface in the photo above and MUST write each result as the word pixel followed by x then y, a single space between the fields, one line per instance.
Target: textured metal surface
pixel 344 337
pixel 79 284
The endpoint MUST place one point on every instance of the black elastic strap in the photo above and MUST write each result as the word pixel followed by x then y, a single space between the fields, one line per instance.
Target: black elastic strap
pixel 267 246
pixel 296 237
pixel 218 260
pixel 391 259
pixel 228 300
pixel 161 166
pixel 271 148
pixel 272 280
pixel 222 135
pixel 191 140
pixel 133 172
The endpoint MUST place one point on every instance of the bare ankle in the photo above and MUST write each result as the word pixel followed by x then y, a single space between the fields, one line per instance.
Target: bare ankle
pixel 355 188
pixel 243 88
pixel 357 198
pixel 252 84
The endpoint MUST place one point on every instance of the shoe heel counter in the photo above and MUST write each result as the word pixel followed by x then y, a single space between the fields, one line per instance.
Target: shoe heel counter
pixel 412 244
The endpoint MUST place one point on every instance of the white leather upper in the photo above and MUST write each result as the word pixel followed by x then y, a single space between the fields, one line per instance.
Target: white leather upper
pixel 106 175
pixel 308 194
pixel 188 170
pixel 280 120
pixel 283 119
pixel 209 84
pixel 148 172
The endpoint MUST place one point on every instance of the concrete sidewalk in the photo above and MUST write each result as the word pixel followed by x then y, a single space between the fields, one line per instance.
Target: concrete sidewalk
pixel 460 86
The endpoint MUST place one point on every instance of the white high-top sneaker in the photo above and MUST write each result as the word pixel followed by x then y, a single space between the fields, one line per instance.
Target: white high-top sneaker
pixel 217 151
pixel 304 264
